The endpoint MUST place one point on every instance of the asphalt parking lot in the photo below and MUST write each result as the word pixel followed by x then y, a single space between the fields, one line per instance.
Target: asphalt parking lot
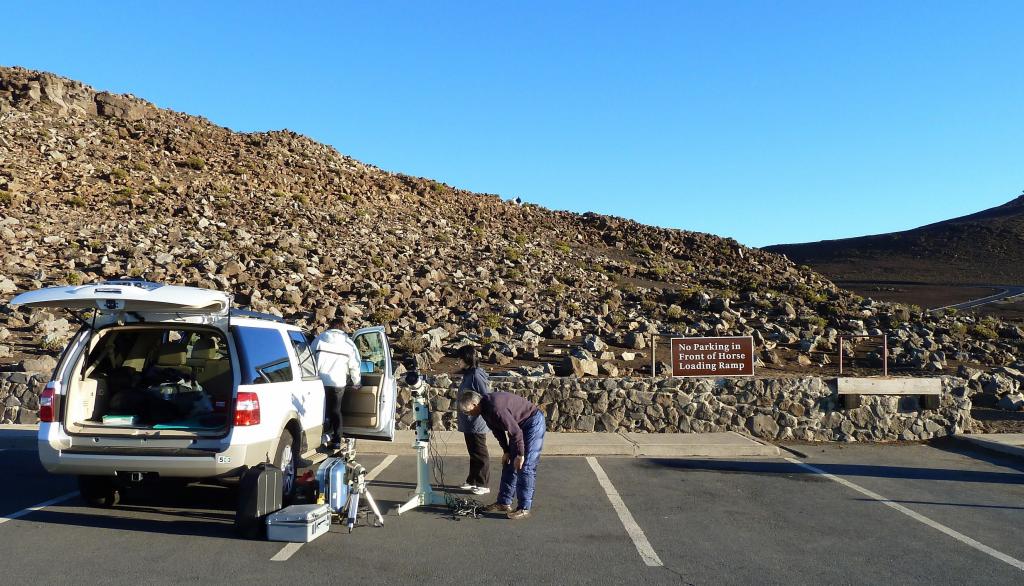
pixel 949 516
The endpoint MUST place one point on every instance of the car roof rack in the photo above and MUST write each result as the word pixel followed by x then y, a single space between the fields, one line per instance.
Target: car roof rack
pixel 237 312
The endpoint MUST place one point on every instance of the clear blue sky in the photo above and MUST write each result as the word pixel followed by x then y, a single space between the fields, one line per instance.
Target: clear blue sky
pixel 767 121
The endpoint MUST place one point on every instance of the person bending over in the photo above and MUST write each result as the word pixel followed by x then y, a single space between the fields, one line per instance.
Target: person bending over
pixel 519 428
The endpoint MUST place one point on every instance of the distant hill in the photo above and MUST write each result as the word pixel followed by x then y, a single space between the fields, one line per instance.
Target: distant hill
pixel 986 247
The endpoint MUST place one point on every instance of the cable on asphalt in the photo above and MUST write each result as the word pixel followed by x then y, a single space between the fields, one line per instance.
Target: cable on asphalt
pixel 458 506
pixel 915 516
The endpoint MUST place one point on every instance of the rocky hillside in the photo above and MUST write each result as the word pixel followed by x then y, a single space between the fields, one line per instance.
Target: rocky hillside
pixel 95 185
pixel 982 248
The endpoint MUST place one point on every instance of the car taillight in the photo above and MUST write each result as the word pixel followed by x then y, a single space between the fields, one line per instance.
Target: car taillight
pixel 247 409
pixel 46 402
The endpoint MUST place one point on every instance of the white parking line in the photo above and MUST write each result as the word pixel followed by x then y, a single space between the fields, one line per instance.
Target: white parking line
pixel 380 468
pixel 38 507
pixel 290 548
pixel 286 552
pixel 916 516
pixel 643 546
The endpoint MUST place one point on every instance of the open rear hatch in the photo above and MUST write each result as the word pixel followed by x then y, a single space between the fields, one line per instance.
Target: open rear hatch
pixel 129 297
pixel 156 364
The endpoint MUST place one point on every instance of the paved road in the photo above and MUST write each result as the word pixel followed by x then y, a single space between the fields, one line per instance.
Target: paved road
pixel 1006 292
pixel 950 517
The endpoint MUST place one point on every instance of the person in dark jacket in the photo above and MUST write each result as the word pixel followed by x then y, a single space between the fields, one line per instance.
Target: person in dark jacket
pixel 519 428
pixel 474 428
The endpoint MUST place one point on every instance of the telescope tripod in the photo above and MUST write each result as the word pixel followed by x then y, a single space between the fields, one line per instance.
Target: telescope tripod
pixel 425 495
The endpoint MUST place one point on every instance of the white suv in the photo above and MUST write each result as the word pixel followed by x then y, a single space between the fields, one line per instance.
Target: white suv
pixel 169 381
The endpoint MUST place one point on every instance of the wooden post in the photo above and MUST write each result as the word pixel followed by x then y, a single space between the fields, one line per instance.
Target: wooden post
pixel 885 355
pixel 654 355
pixel 840 355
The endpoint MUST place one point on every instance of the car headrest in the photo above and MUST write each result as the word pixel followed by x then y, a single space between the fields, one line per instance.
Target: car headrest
pixel 206 349
pixel 172 354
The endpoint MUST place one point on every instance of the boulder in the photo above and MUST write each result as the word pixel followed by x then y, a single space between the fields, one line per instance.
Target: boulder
pixel 1011 402
pixel 535 326
pixel 594 344
pixel 608 369
pixel 42 364
pixel 998 384
pixel 114 106
pixel 719 304
pixel 763 426
pixel 635 341
pixel 701 300
pixel 562 332
pixel 579 367
pixel 586 423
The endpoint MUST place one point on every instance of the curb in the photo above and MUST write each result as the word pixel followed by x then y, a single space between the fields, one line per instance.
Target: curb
pixel 686 445
pixel 18 437
pixel 1004 444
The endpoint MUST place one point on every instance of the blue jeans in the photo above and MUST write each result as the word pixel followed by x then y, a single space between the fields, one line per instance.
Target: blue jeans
pixel 521 482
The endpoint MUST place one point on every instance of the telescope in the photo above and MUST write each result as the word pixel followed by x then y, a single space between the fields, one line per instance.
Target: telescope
pixel 425 495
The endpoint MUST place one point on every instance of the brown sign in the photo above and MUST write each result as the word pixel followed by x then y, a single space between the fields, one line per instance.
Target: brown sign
pixel 730 356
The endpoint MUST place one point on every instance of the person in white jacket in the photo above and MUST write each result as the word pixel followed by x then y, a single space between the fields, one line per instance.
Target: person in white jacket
pixel 338 360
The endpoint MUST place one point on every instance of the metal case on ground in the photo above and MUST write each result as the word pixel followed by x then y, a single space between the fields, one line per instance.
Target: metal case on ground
pixel 299 523
pixel 259 493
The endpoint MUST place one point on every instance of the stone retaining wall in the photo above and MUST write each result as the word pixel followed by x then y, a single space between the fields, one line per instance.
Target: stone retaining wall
pixel 788 408
pixel 19 396
pixel 785 408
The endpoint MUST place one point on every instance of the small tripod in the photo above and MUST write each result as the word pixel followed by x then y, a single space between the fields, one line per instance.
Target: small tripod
pixel 355 477
pixel 425 495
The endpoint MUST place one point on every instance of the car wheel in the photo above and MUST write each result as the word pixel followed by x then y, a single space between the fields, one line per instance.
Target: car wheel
pixel 99 491
pixel 285 461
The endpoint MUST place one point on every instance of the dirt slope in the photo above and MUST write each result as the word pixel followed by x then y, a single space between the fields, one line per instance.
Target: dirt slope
pixel 96 186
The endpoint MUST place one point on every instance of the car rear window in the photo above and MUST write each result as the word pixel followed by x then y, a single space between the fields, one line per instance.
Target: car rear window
pixel 262 355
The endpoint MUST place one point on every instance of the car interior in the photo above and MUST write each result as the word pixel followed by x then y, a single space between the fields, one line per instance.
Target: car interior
pixel 359 406
pixel 169 378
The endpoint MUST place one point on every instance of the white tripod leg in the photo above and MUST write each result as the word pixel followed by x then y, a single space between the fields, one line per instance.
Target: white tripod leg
pixel 353 510
pixel 373 507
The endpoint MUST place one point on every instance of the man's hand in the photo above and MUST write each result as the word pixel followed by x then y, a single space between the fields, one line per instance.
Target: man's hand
pixel 519 462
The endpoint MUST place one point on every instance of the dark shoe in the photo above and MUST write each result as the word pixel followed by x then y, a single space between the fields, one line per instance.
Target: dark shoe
pixel 302 463
pixel 519 514
pixel 496 508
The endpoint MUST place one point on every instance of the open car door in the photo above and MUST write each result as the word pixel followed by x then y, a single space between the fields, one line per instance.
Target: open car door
pixel 369 411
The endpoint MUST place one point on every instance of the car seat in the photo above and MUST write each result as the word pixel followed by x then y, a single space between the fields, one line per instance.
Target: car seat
pixel 212 367
pixel 172 356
